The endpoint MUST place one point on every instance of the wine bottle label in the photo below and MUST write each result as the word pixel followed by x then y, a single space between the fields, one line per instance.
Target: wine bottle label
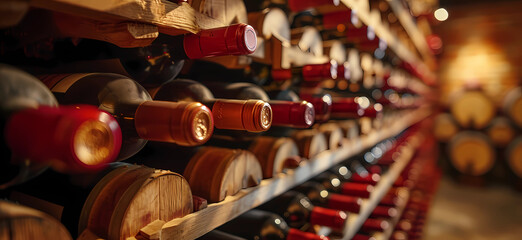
pixel 61 82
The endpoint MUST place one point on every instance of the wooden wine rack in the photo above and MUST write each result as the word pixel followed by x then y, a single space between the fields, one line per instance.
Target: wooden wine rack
pixel 405 195
pixel 151 17
pixel 371 18
pixel 197 224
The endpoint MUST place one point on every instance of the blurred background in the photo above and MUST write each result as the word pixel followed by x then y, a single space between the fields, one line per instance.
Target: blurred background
pixel 480 61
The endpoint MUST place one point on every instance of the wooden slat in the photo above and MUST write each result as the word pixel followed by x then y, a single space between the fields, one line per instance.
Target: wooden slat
pixel 171 18
pixel 196 224
pixel 355 221
pixel 413 31
pixel 393 222
pixel 362 8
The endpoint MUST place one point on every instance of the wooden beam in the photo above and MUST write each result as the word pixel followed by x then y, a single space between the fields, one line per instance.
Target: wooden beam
pixel 171 18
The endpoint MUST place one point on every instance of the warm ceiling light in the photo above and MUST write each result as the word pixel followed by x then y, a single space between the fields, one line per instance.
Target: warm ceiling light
pixel 441 14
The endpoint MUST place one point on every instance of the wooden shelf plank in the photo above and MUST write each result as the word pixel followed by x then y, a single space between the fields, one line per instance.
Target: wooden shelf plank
pixel 355 221
pixel 413 31
pixel 171 18
pixel 393 222
pixel 197 224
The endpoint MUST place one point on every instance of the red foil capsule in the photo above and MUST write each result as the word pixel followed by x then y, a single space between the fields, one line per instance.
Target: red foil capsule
pixel 317 72
pixel 373 111
pixel 343 71
pixel 322 105
pixel 357 189
pixel 384 212
pixel 292 114
pixel 362 237
pixel 371 179
pixel 375 225
pixel 281 74
pixel 328 218
pixel 294 234
pixel 69 138
pixel 300 5
pixel 238 39
pixel 344 203
pixel 357 35
pixel 345 108
pixel 372 45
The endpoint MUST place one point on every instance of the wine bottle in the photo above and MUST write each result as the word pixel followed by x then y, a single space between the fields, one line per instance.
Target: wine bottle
pixel 219 235
pixel 355 172
pixel 359 236
pixel 319 196
pixel 183 123
pixel 375 225
pixel 330 181
pixel 150 65
pixel 232 114
pixel 157 60
pixel 357 189
pixel 348 107
pixel 258 224
pixel 321 102
pixel 237 39
pixel 384 212
pixel 298 114
pixel 335 184
pixel 311 73
pixel 298 6
pixel 37 133
pixel 300 213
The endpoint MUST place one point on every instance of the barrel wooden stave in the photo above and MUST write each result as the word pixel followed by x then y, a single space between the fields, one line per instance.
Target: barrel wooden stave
pixel 18 222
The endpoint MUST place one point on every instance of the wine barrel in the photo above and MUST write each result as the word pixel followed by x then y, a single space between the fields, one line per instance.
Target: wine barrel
pixel 472 109
pixel 310 143
pixel 444 127
pixel 471 153
pixel 275 154
pixel 214 173
pixel 131 197
pixel 512 105
pixel 514 156
pixel 18 222
pixel 501 131
pixel 333 133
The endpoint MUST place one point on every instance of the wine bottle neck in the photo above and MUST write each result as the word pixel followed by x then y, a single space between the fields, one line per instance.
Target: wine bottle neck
pixel 238 39
pixel 250 115
pixel 292 114
pixel 327 217
pixel 183 123
pixel 344 203
pixel 294 234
